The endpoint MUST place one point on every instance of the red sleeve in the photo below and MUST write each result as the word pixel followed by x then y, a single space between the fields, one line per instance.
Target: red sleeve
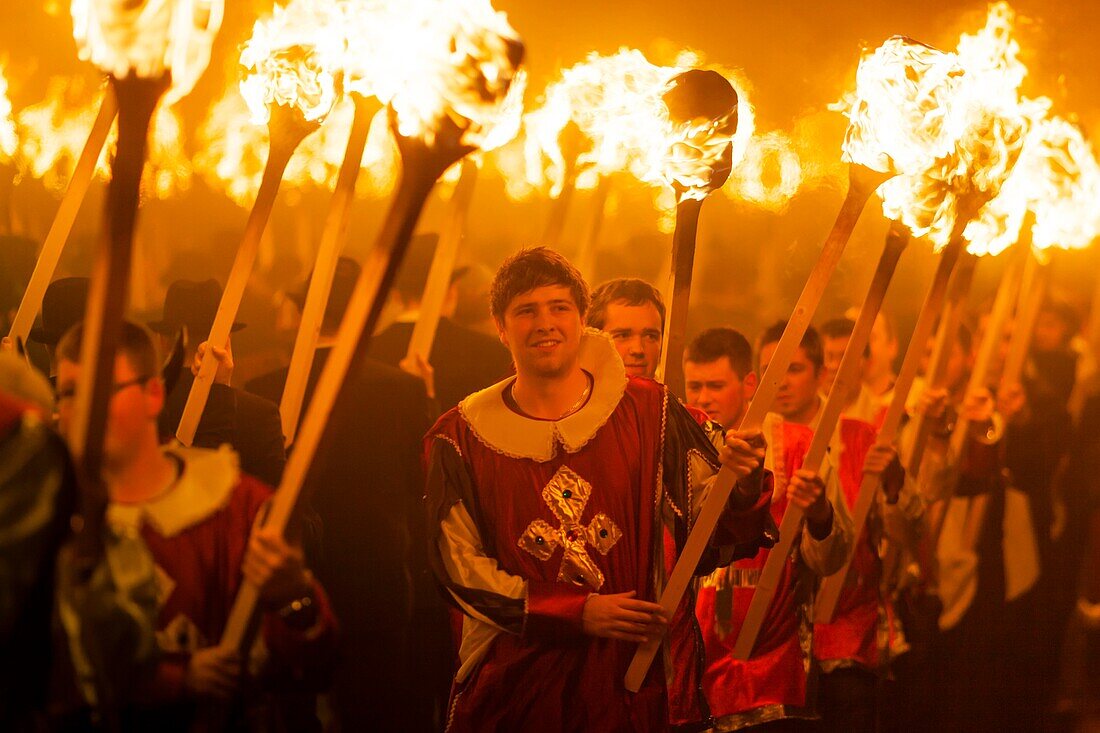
pixel 309 648
pixel 747 526
pixel 554 609
pixel 167 682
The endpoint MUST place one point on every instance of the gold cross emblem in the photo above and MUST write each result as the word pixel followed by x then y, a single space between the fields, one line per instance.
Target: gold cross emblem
pixel 567 495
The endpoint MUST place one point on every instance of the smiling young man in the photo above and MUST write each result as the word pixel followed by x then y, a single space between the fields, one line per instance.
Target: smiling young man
pixel 548 496
pixel 632 312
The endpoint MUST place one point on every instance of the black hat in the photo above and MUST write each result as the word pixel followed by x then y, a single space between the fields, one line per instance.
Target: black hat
pixel 339 295
pixel 192 304
pixel 413 275
pixel 62 308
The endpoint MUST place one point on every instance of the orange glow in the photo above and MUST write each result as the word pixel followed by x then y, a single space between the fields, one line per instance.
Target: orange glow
pixel 148 38
pixel 8 140
pixel 53 132
pixel 292 60
pixel 1057 179
pixel 770 175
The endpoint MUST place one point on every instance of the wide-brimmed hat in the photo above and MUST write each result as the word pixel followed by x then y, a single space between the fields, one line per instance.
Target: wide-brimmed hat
pixel 191 304
pixel 62 308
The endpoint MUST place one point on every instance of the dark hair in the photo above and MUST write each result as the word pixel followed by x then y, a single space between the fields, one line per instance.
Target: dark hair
pixel 628 290
pixel 836 328
pixel 843 327
pixel 134 342
pixel 811 343
pixel 714 343
pixel 531 268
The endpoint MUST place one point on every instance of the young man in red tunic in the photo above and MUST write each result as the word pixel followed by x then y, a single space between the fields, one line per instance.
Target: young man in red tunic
pixel 548 494
pixel 184 518
pixel 772 689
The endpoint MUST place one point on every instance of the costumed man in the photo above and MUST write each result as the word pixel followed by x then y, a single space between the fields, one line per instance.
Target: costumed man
pixel 248 423
pixel 548 494
pixel 718 375
pixel 182 529
pixel 865 405
pixel 772 690
pixel 986 561
pixel 37 500
pixel 632 313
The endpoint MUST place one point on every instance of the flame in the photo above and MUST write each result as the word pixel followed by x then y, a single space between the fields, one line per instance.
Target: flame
pixel 234 152
pixel 52 133
pixel 292 60
pixel 8 140
pixel 1056 178
pixel 148 38
pixel 950 124
pixel 771 173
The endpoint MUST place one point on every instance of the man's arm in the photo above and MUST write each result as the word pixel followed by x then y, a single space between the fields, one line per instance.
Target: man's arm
pixel 827 537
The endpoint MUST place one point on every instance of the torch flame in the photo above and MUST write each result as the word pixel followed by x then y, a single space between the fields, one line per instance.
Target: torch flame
pixel 951 124
pixel 1056 178
pixel 52 133
pixel 292 60
pixel 8 140
pixel 149 38
pixel 770 175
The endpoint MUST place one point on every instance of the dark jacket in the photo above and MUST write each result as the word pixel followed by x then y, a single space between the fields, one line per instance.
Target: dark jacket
pixel 465 361
pixel 249 423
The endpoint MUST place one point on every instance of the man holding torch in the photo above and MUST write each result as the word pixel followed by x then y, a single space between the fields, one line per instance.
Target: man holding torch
pixel 549 577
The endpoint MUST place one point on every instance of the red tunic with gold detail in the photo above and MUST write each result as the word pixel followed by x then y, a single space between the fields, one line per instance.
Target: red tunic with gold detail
pixel 852 639
pixel 530 517
pixel 773 683
pixel 197 532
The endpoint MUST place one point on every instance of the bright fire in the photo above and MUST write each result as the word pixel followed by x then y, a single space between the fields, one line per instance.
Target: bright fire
pixel 771 173
pixel 1057 179
pixel 8 139
pixel 53 132
pixel 951 124
pixel 292 60
pixel 148 37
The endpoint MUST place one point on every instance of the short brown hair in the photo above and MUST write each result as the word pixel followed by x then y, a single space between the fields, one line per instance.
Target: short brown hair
pixel 811 344
pixel 531 268
pixel 714 343
pixel 628 290
pixel 134 343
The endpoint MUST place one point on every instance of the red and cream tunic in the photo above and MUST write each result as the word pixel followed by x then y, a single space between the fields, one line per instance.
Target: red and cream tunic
pixel 856 632
pixel 197 532
pixel 530 517
pixel 772 684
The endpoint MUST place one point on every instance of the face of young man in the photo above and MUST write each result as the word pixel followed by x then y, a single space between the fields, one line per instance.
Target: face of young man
pixel 636 331
pixel 137 401
pixel 833 349
pixel 542 328
pixel 715 388
pixel 798 393
pixel 883 348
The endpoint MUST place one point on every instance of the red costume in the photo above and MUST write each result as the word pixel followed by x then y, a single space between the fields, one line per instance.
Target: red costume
pixel 773 683
pixel 530 517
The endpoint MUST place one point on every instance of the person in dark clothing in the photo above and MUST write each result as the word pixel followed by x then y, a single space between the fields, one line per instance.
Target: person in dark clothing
pixel 62 308
pixel 464 361
pixel 37 499
pixel 245 421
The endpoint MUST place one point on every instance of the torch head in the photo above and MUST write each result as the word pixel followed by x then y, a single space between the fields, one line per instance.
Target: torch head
pixel 702 105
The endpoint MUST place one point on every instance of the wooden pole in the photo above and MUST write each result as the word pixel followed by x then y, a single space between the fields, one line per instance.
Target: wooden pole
pixel 862 182
pixel 63 220
pixel 106 306
pixel 586 257
pixel 324 270
pixel 1032 293
pixel 559 208
pixel 287 130
pixel 443 264
pixel 421 167
pixel 847 379
pixel 829 593
pixel 671 367
pixel 936 375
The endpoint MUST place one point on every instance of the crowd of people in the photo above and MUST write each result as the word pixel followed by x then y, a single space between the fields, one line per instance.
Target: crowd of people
pixel 488 527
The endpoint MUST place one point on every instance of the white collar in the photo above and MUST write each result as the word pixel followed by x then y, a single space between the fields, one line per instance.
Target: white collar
pixel 205 483
pixel 511 434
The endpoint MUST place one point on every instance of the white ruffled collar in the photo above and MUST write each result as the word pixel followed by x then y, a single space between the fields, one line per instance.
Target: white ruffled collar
pixel 511 434
pixel 205 483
